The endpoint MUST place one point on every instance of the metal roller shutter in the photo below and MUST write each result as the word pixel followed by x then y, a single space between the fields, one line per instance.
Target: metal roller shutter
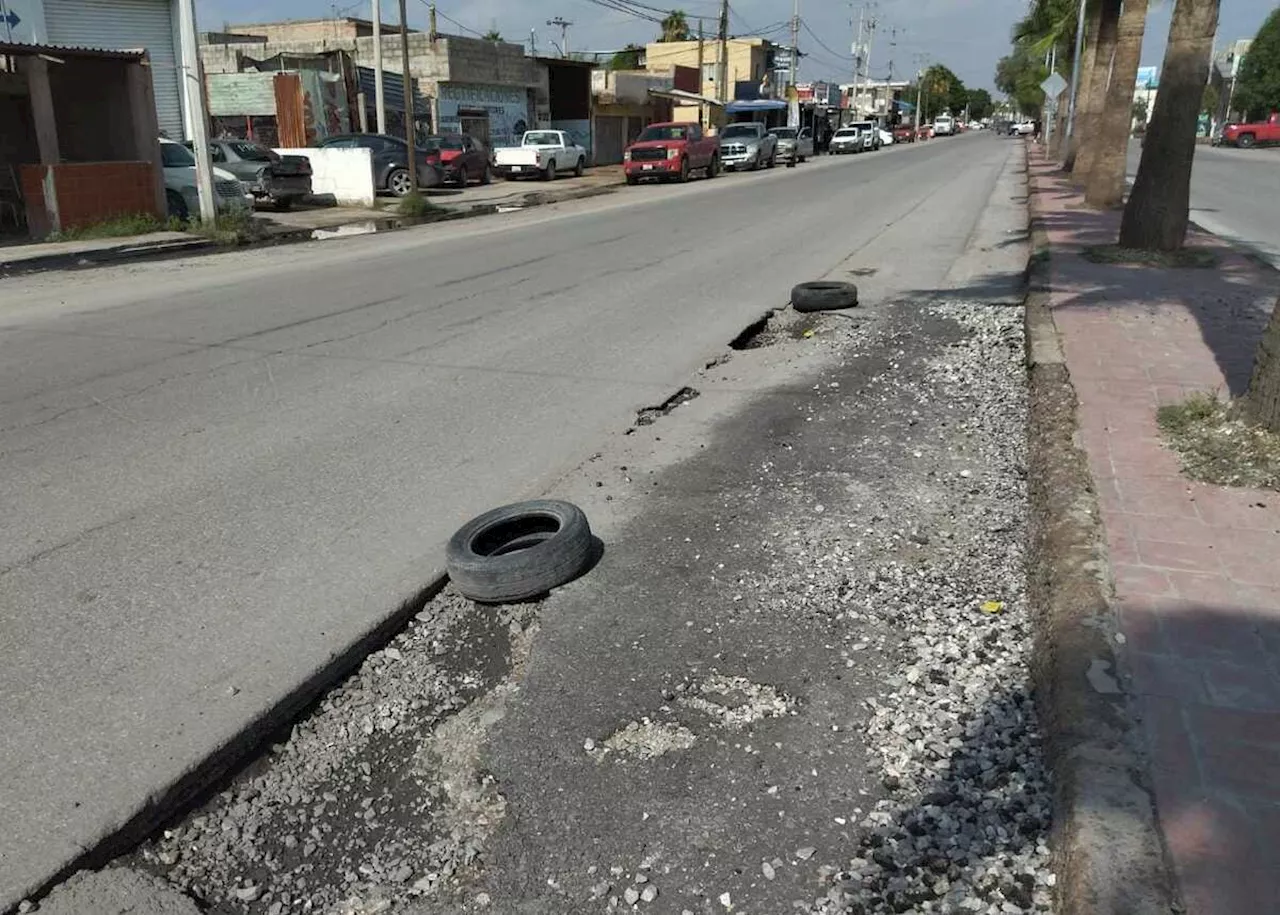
pixel 125 25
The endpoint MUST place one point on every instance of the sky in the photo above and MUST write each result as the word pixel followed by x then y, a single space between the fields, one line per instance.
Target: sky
pixel 951 32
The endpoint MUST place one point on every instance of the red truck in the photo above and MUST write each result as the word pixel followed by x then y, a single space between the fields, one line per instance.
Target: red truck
pixel 671 151
pixel 1260 133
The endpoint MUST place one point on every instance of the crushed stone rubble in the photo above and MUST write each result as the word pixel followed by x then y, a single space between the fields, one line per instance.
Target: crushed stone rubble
pixel 378 798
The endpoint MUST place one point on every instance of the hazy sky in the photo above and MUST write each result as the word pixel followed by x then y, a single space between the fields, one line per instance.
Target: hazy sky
pixel 969 36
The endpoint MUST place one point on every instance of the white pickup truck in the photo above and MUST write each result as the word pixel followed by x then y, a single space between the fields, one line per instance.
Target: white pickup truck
pixel 542 153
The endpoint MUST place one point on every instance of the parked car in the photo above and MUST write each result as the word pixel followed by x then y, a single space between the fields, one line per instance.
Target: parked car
pixel 794 144
pixel 870 134
pixel 924 132
pixel 944 126
pixel 543 153
pixel 180 192
pixel 904 133
pixel 1256 133
pixel 1022 128
pixel 390 161
pixel 462 157
pixel 267 175
pixel 886 137
pixel 846 140
pixel 671 150
pixel 748 145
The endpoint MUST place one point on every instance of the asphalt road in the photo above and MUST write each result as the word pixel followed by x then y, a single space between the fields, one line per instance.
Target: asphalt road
pixel 1234 194
pixel 217 473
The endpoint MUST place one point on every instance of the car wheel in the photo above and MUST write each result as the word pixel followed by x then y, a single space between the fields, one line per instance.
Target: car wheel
pixel 684 171
pixel 773 159
pixel 520 551
pixel 580 167
pixel 283 203
pixel 398 182
pixel 714 168
pixel 463 177
pixel 486 176
pixel 632 180
pixel 802 158
pixel 176 206
pixel 1246 140
pixel 550 173
pixel 823 295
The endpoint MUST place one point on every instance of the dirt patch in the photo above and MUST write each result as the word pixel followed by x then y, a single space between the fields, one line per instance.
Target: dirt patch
pixel 1216 446
pixel 1198 258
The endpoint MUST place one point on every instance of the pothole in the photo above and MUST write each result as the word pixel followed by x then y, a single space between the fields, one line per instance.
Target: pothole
pixel 644 739
pixel 751 335
pixel 649 415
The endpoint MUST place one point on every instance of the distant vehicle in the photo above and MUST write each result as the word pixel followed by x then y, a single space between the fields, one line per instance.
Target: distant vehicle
pixel 870 134
pixel 748 144
pixel 462 157
pixel 944 126
pixel 904 133
pixel 924 132
pixel 390 157
pixel 541 153
pixel 886 137
pixel 1257 133
pixel 267 175
pixel 1022 128
pixel 671 151
pixel 181 195
pixel 794 144
pixel 846 140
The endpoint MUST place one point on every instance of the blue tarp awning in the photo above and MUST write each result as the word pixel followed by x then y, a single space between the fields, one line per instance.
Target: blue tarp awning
pixel 756 104
pixel 906 106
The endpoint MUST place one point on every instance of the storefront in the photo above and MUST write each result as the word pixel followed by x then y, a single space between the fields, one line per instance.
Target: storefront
pixel 494 115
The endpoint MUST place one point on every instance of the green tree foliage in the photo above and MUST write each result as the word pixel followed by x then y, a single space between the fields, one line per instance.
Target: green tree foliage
pixel 1211 99
pixel 627 59
pixel 944 91
pixel 981 104
pixel 1258 84
pixel 675 27
pixel 1048 28
pixel 1019 77
pixel 493 35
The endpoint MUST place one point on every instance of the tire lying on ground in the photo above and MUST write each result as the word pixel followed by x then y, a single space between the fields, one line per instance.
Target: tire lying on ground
pixel 823 295
pixel 519 551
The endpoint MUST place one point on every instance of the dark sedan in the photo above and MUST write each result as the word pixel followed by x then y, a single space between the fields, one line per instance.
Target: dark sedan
pixel 390 161
pixel 267 175
pixel 462 157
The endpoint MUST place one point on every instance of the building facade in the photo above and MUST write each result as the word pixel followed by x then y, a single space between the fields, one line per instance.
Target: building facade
pixel 750 63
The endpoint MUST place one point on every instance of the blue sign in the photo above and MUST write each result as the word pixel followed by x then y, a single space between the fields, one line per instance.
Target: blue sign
pixel 12 20
pixel 1148 77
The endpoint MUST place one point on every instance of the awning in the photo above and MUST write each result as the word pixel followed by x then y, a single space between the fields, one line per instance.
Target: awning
pixel 906 106
pixel 756 104
pixel 16 49
pixel 681 95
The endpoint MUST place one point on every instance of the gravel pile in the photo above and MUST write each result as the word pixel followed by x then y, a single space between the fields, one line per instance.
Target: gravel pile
pixel 964 825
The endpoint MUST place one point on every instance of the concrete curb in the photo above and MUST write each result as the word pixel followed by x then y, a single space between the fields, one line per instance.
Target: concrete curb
pixel 105 256
pixel 1109 855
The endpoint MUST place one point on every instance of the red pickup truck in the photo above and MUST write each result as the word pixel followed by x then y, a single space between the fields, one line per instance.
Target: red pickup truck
pixel 671 151
pixel 1260 133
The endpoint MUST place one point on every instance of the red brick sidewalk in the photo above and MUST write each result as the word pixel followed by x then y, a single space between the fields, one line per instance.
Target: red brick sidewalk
pixel 1196 567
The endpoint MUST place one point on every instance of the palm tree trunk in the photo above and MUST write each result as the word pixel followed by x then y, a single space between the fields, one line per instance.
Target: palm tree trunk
pixel 1156 216
pixel 1103 53
pixel 1092 25
pixel 1105 186
pixel 1261 404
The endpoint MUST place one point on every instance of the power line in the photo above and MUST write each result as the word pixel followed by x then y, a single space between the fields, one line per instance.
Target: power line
pixel 837 54
pixel 452 21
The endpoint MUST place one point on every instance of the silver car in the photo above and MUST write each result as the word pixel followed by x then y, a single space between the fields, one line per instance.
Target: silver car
pixel 748 145
pixel 794 144
pixel 846 140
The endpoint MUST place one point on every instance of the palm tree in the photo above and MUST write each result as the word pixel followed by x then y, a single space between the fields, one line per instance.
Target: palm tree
pixel 1156 216
pixel 1261 403
pixel 1093 90
pixel 1105 187
pixel 675 26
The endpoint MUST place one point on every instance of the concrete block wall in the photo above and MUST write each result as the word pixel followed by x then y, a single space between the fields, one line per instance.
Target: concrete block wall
pixel 343 175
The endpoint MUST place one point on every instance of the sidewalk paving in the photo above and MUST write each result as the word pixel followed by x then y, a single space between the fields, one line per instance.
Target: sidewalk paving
pixel 1195 567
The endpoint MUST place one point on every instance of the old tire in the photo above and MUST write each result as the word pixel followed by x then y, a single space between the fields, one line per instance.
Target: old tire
pixel 823 295
pixel 519 551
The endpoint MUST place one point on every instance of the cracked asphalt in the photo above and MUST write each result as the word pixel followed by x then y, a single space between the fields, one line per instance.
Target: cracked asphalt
pixel 220 473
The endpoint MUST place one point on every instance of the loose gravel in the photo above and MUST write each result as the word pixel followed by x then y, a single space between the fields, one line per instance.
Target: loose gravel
pixel 379 799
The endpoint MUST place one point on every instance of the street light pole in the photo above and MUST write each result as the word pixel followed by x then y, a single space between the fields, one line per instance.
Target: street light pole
pixel 194 84
pixel 379 92
pixel 410 136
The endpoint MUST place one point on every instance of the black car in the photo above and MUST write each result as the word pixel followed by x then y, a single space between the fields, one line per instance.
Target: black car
pixel 265 174
pixel 390 161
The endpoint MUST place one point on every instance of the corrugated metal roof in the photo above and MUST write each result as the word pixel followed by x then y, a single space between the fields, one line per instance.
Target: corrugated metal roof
pixel 56 50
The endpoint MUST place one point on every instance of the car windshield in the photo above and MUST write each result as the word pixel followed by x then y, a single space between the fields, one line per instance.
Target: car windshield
pixel 663 133
pixel 252 152
pixel 861 125
pixel 784 133
pixel 442 143
pixel 175 155
pixel 541 138
pixel 847 132
pixel 740 130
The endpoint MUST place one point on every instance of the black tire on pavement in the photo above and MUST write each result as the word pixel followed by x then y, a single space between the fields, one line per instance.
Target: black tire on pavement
pixel 580 167
pixel 823 295
pixel 1246 140
pixel 520 551
pixel 550 173
pixel 486 176
pixel 632 180
pixel 176 206
pixel 463 177
pixel 684 171
pixel 398 182
pixel 283 203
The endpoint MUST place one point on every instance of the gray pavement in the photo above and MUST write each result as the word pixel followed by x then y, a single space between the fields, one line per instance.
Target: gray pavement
pixel 219 473
pixel 1234 194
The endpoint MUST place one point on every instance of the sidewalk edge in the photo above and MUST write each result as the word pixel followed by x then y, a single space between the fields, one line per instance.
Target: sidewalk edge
pixel 1109 856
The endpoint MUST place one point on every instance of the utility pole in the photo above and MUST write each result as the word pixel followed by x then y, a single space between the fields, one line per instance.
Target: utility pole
pixel 722 70
pixel 409 133
pixel 795 41
pixel 533 43
pixel 563 25
pixel 194 82
pixel 1075 70
pixel 857 59
pixel 702 113
pixel 379 92
pixel 432 32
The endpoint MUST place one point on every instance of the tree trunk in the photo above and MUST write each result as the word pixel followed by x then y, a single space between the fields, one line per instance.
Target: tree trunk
pixel 1105 186
pixel 1156 216
pixel 1059 128
pixel 1103 53
pixel 1261 404
pixel 1087 64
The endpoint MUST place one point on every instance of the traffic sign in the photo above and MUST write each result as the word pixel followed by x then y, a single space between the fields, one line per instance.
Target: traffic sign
pixel 1054 86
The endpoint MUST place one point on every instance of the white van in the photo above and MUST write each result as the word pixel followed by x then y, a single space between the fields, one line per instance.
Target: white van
pixel 944 126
